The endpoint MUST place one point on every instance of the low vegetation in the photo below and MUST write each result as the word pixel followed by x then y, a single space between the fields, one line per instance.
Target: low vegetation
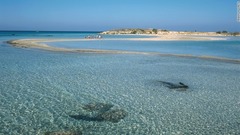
pixel 132 31
pixel 228 33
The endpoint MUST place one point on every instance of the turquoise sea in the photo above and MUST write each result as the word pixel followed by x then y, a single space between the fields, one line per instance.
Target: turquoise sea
pixel 41 90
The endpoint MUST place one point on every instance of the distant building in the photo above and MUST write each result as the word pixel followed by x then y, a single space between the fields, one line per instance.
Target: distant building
pixel 238 11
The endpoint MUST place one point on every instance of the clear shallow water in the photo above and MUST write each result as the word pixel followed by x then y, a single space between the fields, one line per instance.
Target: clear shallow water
pixel 40 89
pixel 227 49
pixel 57 34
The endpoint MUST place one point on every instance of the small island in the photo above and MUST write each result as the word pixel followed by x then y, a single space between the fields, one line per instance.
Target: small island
pixel 152 31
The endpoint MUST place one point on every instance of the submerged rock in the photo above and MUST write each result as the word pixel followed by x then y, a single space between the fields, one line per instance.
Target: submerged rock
pixel 103 113
pixel 63 133
pixel 179 86
pixel 113 115
pixel 97 107
pixel 86 118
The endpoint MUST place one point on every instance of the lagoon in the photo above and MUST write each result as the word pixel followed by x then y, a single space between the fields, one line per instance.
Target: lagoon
pixel 40 89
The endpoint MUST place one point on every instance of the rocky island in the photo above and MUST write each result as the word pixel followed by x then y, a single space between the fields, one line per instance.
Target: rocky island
pixel 170 33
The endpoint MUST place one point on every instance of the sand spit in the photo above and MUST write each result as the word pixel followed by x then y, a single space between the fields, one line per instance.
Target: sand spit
pixel 42 44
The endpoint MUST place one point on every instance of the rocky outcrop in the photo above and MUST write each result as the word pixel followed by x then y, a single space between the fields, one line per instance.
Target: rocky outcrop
pixel 166 32
pixel 131 31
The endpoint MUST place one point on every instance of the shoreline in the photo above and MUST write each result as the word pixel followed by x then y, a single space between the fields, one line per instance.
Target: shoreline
pixel 42 44
pixel 157 37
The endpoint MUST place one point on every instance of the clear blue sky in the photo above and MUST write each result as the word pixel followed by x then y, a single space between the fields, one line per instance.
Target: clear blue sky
pixel 84 15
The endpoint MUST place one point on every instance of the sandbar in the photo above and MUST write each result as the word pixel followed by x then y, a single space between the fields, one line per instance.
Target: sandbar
pixel 42 44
